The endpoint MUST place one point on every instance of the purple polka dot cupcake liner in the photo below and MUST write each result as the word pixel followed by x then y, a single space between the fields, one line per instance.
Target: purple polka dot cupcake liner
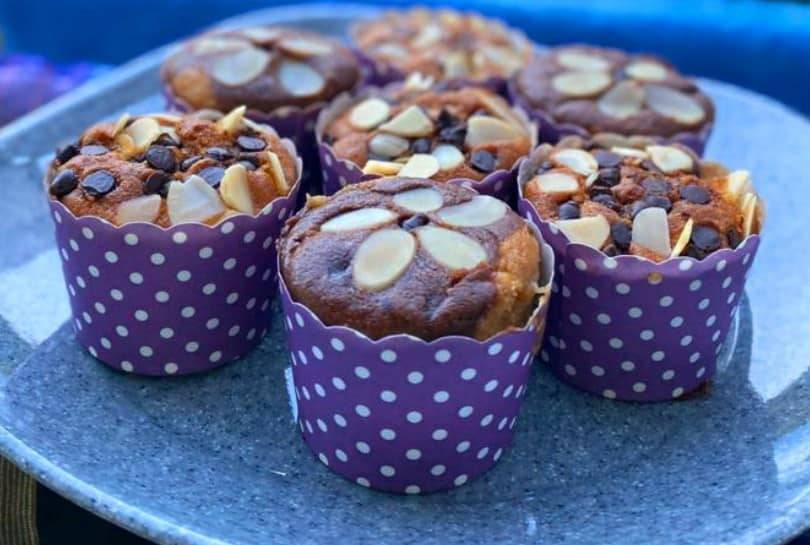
pixel 337 172
pixel 404 415
pixel 630 329
pixel 549 131
pixel 186 299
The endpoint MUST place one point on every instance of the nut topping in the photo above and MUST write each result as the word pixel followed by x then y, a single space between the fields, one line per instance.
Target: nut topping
pixel 670 159
pixel 363 218
pixel 420 165
pixel 624 100
pixel 479 211
pixel 193 201
pixel 449 157
pixel 419 200
pixel 382 258
pixel 388 145
pixel 674 104
pixel 454 250
pixel 369 113
pixel 300 79
pixel 240 67
pixel 143 132
pixel 683 238
pixel 582 61
pixel 305 47
pixel 646 71
pixel 749 210
pixel 234 189
pixel 410 123
pixel 592 231
pixel 577 160
pixel 484 129
pixel 277 172
pixel 555 182
pixel 382 168
pixel 144 208
pixel 738 184
pixel 231 122
pixel 651 230
pixel 581 84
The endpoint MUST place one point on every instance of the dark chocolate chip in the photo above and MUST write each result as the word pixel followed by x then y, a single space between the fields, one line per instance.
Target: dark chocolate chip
pixel 637 207
pixel 694 251
pixel 622 235
pixel 706 238
pixel 607 159
pixel 251 143
pixel 453 135
pixel 63 183
pixel 420 145
pixel 611 251
pixel 65 154
pixel 446 119
pixel 167 140
pixel 609 176
pixel 606 199
pixel 249 165
pixel 415 221
pixel 157 182
pixel 599 189
pixel 649 165
pixel 219 154
pixel 187 163
pixel 161 158
pixel 93 149
pixel 483 161
pixel 657 201
pixel 568 211
pixel 655 186
pixel 212 175
pixel 99 183
pixel 696 194
pixel 734 238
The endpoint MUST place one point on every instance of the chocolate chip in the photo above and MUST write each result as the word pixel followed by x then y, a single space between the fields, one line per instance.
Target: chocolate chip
pixel 65 154
pixel 446 119
pixel 249 165
pixel 483 161
pixel 187 163
pixel 415 221
pixel 607 200
pixel 655 186
pixel 157 182
pixel 706 238
pixel 167 140
pixel 734 238
pixel 63 183
pixel 251 143
pixel 611 251
pixel 696 194
pixel 93 149
pixel 599 189
pixel 219 154
pixel 161 158
pixel 646 164
pixel 420 145
pixel 657 201
pixel 212 175
pixel 568 211
pixel 609 176
pixel 98 183
pixel 607 159
pixel 637 207
pixel 454 135
pixel 622 235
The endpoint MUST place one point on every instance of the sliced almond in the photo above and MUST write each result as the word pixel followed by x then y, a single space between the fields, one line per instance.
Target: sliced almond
pixel 382 168
pixel 456 64
pixel 388 145
pixel 504 58
pixel 738 184
pixel 448 156
pixel 479 211
pixel 121 124
pixel 362 218
pixel 624 100
pixel 144 208
pixel 143 132
pixel 497 106
pixel 369 113
pixel 683 238
pixel 418 81
pixel 555 182
pixel 674 104
pixel 420 200
pixel 749 210
pixel 428 36
pixel 592 177
pixel 300 79
pixel 193 200
pixel 452 249
pixel 304 47
pixel 126 145
pixel 646 71
pixel 277 171
pixel 234 189
pixel 420 165
pixel 581 84
pixel 382 258
pixel 410 123
pixel 240 67
pixel 630 152
pixel 580 161
pixel 217 44
pixel 651 230
pixel 484 129
pixel 262 35
pixel 231 122
pixel 576 60
pixel 670 159
pixel 591 230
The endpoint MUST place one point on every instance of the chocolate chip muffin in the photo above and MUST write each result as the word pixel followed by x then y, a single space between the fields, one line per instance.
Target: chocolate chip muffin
pixel 601 90
pixel 435 133
pixel 443 44
pixel 264 68
pixel 404 255
pixel 657 202
pixel 167 169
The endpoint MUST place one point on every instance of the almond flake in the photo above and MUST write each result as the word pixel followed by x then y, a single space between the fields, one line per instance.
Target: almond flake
pixel 749 210
pixel 193 201
pixel 382 258
pixel 143 132
pixel 484 129
pixel 624 100
pixel 592 231
pixel 738 184
pixel 382 168
pixel 448 156
pixel 388 145
pixel 646 71
pixel 455 64
pixel 121 124
pixel 555 182
pixel 581 84
pixel 420 200
pixel 300 79
pixel 362 218
pixel 240 67
pixel 231 122
pixel 305 47
pixel 144 208
pixel 578 160
pixel 454 250
pixel 410 123
pixel 630 152
pixel 479 211
pixel 234 189
pixel 670 159
pixel 369 113
pixel 651 230
pixel 420 165
pixel 576 60
pixel 277 171
pixel 674 104
pixel 683 238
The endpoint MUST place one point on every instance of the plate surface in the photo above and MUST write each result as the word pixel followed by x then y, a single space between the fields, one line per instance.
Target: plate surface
pixel 216 458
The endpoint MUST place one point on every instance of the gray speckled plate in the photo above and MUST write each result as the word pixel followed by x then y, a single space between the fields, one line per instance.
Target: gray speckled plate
pixel 216 458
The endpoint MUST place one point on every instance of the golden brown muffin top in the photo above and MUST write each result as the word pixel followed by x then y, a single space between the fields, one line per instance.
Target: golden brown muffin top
pixel 656 202
pixel 439 134
pixel 166 169
pixel 407 255
pixel 443 44
pixel 609 91
pixel 264 67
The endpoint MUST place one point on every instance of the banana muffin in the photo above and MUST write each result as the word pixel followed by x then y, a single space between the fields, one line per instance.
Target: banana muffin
pixel 443 44
pixel 406 255
pixel 167 169
pixel 657 202
pixel 441 134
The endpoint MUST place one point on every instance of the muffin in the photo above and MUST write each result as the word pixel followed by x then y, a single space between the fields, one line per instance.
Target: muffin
pixel 653 248
pixel 413 312
pixel 441 44
pixel 606 93
pixel 466 134
pixel 166 227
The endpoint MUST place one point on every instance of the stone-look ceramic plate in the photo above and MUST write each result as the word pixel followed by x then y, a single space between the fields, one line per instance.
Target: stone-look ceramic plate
pixel 216 458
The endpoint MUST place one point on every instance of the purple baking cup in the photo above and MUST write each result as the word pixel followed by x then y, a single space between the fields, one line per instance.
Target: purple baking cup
pixel 186 299
pixel 551 132
pixel 404 415
pixel 631 329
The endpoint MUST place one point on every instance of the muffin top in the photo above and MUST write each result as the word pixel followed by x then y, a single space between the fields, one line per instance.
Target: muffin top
pixel 657 203
pixel 437 134
pixel 443 44
pixel 607 90
pixel 167 170
pixel 262 67
pixel 408 255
